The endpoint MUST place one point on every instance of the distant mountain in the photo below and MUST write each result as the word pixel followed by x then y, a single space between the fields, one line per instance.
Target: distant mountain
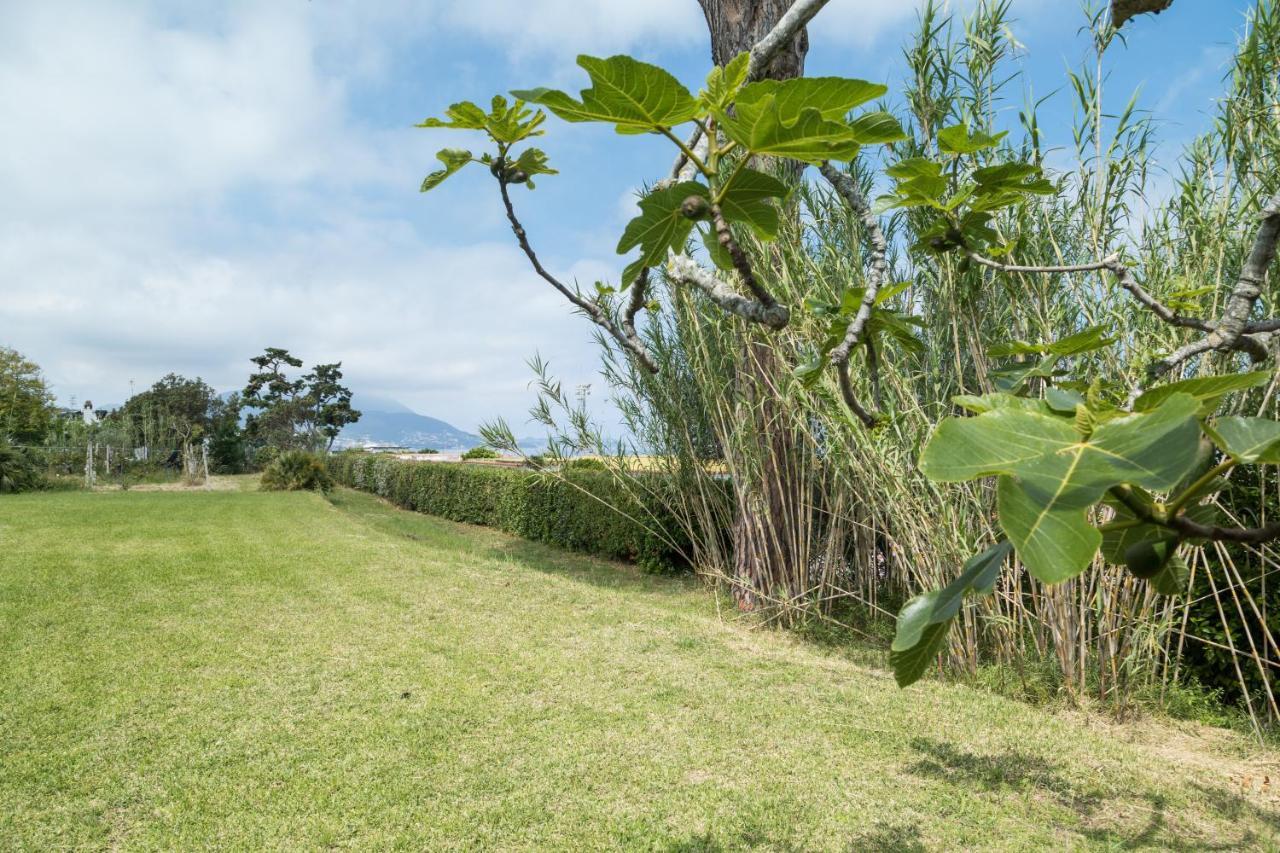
pixel 405 428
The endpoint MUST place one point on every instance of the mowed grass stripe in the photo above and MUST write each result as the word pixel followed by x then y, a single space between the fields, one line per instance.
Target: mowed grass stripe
pixel 252 670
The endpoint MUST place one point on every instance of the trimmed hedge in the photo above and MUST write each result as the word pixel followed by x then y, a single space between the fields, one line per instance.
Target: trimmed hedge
pixel 582 510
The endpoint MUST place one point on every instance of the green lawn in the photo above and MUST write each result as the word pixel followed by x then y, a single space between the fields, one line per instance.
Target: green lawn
pixel 249 670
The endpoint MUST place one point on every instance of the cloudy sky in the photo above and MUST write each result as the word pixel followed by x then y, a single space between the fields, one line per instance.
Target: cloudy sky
pixel 184 184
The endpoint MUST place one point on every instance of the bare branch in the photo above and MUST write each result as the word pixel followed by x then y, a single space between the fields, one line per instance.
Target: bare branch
pixel 685 270
pixel 847 189
pixel 597 314
pixel 794 20
pixel 639 290
pixel 1231 332
pixel 1192 529
pixel 741 262
pixel 850 399
pixel 1103 264
pixel 1123 276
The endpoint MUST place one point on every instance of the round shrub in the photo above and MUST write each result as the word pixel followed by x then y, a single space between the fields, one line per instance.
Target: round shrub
pixel 481 452
pixel 296 471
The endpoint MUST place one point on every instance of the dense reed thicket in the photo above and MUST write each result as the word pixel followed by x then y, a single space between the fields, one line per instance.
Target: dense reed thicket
pixel 861 527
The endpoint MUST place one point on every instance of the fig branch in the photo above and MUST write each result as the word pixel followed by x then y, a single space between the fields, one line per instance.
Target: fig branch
pixel 878 271
pixel 626 335
pixel 1233 332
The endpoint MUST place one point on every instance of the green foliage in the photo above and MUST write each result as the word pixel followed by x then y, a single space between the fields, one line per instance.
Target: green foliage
pixel 924 620
pixel 506 124
pixel 581 509
pixel 804 119
pixel 481 452
pixel 307 412
pixel 18 469
pixel 661 225
pixel 633 96
pixel 885 327
pixel 297 471
pixel 1050 475
pixel 26 403
pixel 964 200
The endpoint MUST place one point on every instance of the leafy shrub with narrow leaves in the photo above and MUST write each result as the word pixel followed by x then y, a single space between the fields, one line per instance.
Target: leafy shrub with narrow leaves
pixel 297 471
pixel 18 469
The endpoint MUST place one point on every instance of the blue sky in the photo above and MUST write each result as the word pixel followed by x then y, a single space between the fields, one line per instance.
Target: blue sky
pixel 183 184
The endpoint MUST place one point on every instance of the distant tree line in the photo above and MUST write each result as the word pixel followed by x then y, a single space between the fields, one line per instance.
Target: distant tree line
pixel 275 412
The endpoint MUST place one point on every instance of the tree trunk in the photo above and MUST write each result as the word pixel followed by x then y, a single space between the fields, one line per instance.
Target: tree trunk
pixel 769 535
pixel 736 25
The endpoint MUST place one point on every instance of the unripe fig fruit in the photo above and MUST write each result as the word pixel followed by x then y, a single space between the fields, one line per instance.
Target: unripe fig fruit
pixel 695 207
pixel 1147 559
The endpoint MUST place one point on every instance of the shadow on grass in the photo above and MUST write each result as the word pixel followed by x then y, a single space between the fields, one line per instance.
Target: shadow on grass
pixel 492 544
pixel 883 837
pixel 1014 770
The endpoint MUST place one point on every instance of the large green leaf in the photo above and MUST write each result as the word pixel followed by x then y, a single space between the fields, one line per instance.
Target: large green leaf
pixel 956 139
pixel 762 127
pixel 876 128
pixel 634 96
pixel 832 97
pixel 660 226
pixel 1208 390
pixel 453 160
pixel 748 200
pixel 924 620
pixel 1050 475
pixel 1247 440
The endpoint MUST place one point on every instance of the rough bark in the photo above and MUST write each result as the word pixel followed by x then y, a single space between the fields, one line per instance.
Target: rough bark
pixel 1123 10
pixel 769 534
pixel 738 25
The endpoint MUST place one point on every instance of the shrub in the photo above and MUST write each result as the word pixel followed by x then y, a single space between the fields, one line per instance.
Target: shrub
pixel 264 456
pixel 428 450
pixel 295 471
pixel 583 510
pixel 18 469
pixel 481 452
pixel 587 463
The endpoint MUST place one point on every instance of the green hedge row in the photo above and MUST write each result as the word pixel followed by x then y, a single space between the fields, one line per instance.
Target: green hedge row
pixel 583 510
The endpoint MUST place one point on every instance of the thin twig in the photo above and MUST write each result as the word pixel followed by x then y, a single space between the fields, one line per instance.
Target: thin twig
pixel 629 339
pixel 741 262
pixel 1230 332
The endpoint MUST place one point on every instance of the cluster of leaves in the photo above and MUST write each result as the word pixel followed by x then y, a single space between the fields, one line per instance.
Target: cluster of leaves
pixel 805 119
pixel 884 325
pixel 1078 475
pixel 506 124
pixel 965 202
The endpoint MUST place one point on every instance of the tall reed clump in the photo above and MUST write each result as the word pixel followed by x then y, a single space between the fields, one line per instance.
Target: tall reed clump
pixel 864 528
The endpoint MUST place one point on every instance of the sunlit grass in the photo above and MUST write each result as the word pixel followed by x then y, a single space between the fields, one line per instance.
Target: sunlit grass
pixel 252 670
